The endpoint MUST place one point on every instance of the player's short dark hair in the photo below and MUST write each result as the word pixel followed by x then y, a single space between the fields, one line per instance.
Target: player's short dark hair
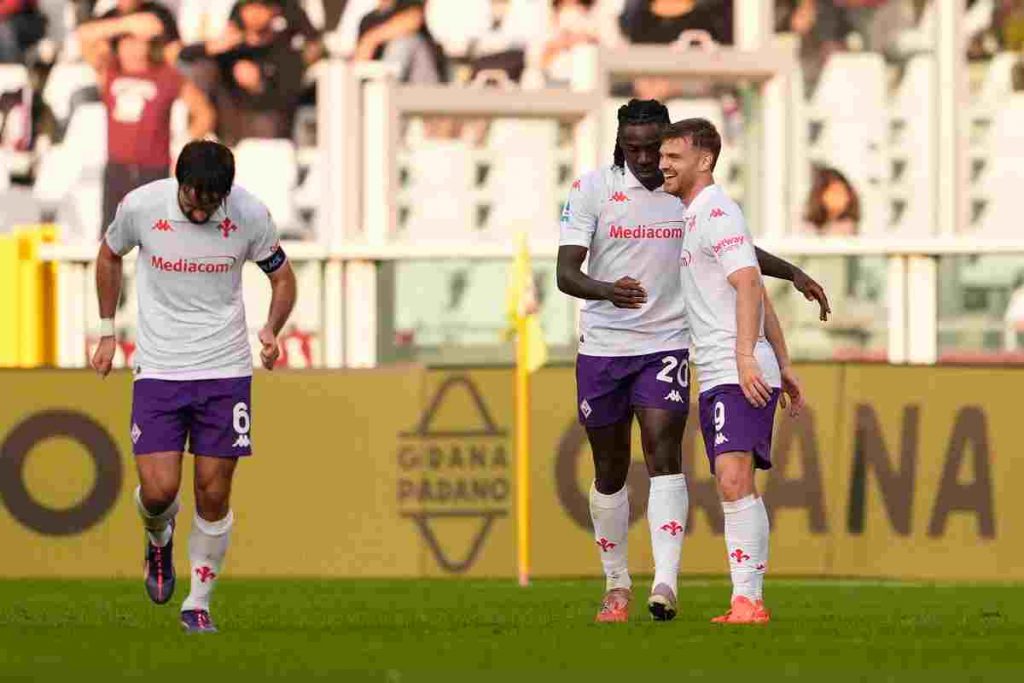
pixel 206 166
pixel 702 134
pixel 637 113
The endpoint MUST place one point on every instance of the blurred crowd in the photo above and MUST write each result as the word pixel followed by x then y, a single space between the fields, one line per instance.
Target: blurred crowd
pixel 242 68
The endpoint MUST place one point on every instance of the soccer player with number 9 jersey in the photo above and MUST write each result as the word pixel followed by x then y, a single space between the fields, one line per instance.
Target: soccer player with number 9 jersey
pixel 739 350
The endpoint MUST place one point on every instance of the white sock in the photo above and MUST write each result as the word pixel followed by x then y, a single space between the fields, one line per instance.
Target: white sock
pixel 158 526
pixel 610 514
pixel 207 545
pixel 746 539
pixel 667 506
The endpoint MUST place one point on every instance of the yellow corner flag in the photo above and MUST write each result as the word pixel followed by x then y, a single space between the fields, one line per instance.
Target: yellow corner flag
pixel 531 354
pixel 524 322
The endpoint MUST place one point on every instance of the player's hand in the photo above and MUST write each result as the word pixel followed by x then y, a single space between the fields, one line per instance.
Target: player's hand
pixel 271 349
pixel 627 293
pixel 752 381
pixel 792 390
pixel 103 356
pixel 812 291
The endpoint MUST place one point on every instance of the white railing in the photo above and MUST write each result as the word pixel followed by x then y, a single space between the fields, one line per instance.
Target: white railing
pixel 911 290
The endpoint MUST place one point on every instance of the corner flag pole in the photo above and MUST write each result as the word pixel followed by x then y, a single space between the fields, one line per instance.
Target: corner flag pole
pixel 522 449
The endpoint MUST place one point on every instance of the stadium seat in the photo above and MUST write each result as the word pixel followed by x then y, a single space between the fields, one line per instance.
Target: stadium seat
pixel 913 148
pixel 70 175
pixel 15 115
pixel 69 83
pixel 5 174
pixel 998 81
pixel 1001 183
pixel 437 169
pixel 200 20
pixel 523 154
pixel 269 169
pixel 455 23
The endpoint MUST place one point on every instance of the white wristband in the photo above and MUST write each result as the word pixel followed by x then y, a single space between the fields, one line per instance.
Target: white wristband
pixel 107 327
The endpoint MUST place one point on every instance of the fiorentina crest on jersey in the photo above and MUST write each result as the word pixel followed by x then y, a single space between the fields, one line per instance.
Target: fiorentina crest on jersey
pixel 227 227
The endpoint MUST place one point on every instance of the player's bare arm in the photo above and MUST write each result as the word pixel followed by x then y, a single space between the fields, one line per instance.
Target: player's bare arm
pixel 108 288
pixel 748 286
pixel 625 292
pixel 773 266
pixel 282 300
pixel 773 333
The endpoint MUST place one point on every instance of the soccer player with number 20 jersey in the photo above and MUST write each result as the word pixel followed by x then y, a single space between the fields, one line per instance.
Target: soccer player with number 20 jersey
pixel 634 347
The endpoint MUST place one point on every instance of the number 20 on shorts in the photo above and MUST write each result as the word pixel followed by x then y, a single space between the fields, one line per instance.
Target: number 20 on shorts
pixel 681 370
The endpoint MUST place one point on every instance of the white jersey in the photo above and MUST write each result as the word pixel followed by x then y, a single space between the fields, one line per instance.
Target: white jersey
pixel 718 244
pixel 191 313
pixel 629 231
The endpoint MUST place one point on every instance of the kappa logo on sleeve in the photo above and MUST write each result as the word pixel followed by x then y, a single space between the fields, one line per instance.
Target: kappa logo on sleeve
pixel 718 213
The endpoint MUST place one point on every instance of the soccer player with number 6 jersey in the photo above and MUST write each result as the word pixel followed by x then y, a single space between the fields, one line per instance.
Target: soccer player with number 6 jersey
pixel 739 351
pixel 634 347
pixel 193 365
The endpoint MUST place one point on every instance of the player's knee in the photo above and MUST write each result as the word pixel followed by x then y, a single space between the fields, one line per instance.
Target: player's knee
pixel 733 484
pixel 213 498
pixel 157 495
pixel 608 483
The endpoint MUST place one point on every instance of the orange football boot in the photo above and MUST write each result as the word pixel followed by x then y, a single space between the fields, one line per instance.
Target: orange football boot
pixel 744 611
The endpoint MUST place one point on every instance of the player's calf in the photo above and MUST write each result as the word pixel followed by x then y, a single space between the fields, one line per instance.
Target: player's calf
pixel 159 554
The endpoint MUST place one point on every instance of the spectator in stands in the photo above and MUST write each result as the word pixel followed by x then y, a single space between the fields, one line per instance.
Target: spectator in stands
pixel 253 72
pixel 396 32
pixel 821 28
pixel 502 45
pixel 1008 21
pixel 573 22
pixel 662 21
pixel 291 24
pixel 139 89
pixel 143 19
pixel 21 27
pixel 833 208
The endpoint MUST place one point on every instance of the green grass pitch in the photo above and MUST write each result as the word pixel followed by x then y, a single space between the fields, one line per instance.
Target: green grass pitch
pixel 446 630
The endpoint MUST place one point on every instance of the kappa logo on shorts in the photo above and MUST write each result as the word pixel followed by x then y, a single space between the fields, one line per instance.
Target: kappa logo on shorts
pixel 242 441
pixel 136 432
pixel 674 396
pixel 720 439
pixel 585 409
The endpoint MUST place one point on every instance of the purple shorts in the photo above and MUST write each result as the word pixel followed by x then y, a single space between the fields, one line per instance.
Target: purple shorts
pixel 212 415
pixel 609 387
pixel 731 425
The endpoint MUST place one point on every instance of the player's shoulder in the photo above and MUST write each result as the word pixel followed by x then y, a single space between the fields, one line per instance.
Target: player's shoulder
pixel 597 181
pixel 151 196
pixel 249 208
pixel 719 207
